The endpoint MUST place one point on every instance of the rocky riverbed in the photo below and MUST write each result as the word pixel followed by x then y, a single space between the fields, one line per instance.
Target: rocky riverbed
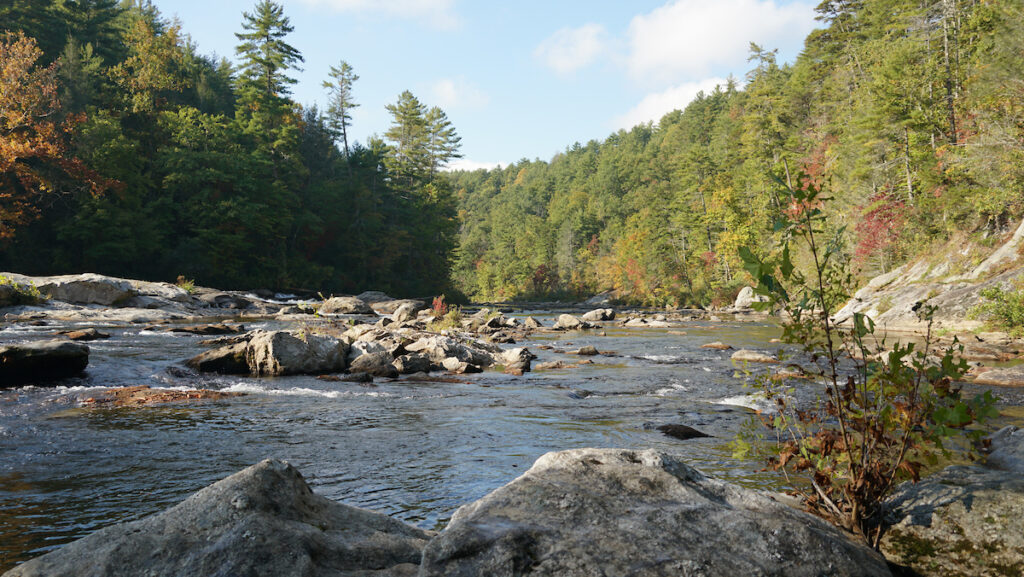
pixel 386 409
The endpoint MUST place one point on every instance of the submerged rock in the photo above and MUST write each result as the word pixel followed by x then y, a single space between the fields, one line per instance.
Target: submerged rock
pixel 209 330
pixel 143 395
pixel 262 521
pixel 41 361
pixel 554 365
pixel 717 345
pixel 681 432
pixel 84 335
pixel 590 512
pixel 963 521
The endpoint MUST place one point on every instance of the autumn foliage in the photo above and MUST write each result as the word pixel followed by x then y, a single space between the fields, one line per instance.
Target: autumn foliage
pixel 34 160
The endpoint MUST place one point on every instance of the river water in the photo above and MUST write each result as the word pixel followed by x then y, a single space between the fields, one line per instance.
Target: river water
pixel 413 449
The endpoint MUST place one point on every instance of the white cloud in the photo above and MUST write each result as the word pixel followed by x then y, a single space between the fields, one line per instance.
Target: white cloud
pixel 470 165
pixel 690 38
pixel 654 106
pixel 570 49
pixel 438 13
pixel 455 93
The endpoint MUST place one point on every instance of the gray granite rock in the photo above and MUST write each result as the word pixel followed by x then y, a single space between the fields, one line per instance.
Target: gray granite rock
pixel 602 512
pixel 262 521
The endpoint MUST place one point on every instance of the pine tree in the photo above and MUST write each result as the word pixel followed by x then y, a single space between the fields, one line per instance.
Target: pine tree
pixel 96 22
pixel 442 141
pixel 339 109
pixel 409 159
pixel 266 57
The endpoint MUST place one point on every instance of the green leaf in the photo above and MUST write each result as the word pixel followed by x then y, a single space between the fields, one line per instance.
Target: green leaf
pixel 785 264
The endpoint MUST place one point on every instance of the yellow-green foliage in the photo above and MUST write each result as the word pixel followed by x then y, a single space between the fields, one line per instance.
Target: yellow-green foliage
pixel 23 294
pixel 450 320
pixel 1003 309
pixel 188 285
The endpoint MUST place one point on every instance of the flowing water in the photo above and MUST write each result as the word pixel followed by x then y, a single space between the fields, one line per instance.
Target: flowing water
pixel 413 449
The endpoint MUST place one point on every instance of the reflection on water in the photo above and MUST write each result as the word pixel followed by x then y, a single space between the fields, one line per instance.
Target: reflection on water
pixel 413 449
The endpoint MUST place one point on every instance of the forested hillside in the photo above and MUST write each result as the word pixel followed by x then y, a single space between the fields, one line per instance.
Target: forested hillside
pixel 910 113
pixel 126 151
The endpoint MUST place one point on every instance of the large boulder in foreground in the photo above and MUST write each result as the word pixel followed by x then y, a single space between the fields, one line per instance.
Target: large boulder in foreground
pixel 959 522
pixel 262 521
pixel 590 512
pixel 41 361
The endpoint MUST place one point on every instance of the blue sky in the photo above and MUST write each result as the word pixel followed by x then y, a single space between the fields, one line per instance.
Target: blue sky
pixel 517 79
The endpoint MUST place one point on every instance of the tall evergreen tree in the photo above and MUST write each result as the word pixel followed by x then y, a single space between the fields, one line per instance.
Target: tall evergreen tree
pixel 96 22
pixel 266 57
pixel 339 108
pixel 409 160
pixel 442 141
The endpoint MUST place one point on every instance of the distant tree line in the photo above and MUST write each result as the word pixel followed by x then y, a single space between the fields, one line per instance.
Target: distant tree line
pixel 125 151
pixel 910 112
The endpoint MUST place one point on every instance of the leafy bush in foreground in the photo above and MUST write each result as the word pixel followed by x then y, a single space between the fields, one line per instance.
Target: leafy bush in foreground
pixel 886 412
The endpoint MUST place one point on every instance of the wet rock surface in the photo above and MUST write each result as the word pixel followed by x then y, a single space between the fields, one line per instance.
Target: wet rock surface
pixel 40 362
pixel 143 395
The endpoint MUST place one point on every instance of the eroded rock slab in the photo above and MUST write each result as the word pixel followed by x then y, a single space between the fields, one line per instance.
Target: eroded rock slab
pixel 144 395
pixel 590 512
pixel 262 521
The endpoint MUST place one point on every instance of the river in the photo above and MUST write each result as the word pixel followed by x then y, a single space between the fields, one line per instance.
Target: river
pixel 413 449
